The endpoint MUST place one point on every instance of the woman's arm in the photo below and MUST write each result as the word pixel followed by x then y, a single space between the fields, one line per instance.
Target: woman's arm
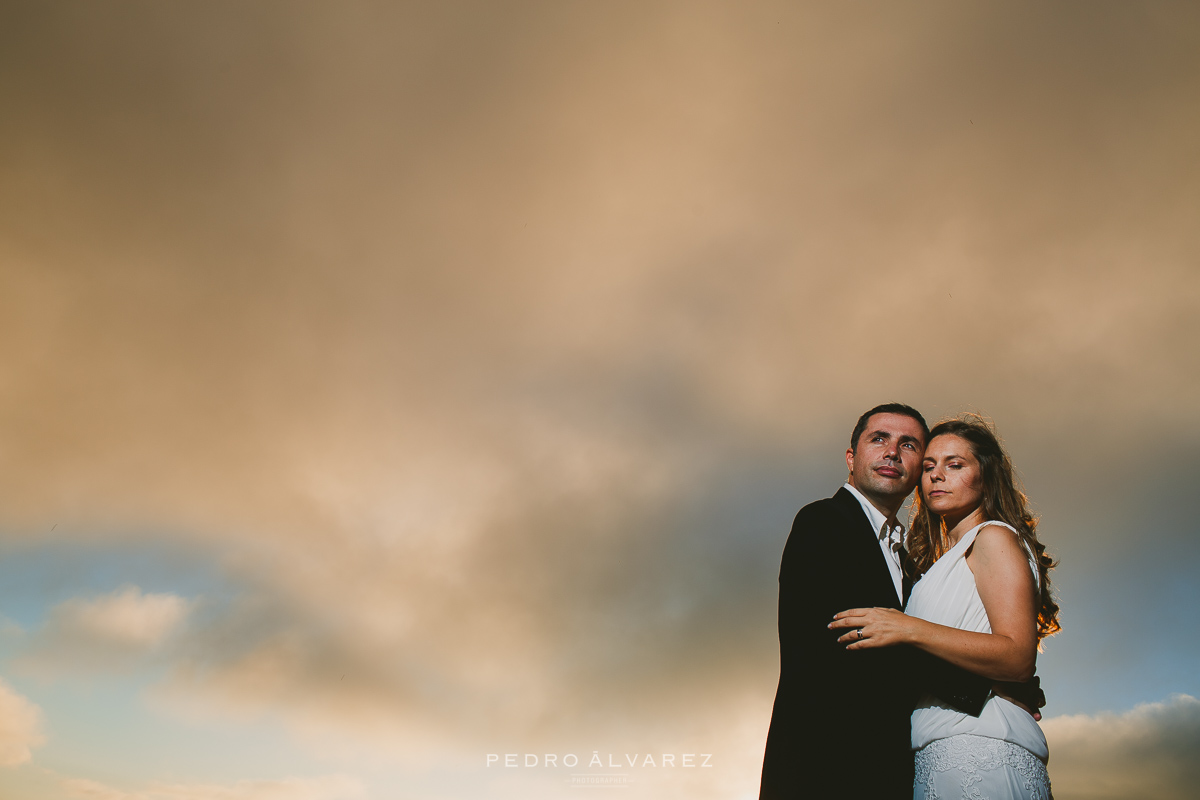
pixel 1006 587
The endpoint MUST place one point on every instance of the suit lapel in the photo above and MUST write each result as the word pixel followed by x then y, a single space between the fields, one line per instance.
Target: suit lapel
pixel 870 541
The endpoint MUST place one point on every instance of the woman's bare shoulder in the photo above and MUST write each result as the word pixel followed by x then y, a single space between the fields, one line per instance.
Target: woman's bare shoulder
pixel 996 543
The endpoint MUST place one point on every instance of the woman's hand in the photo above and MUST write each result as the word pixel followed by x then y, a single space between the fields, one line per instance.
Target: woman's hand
pixel 874 627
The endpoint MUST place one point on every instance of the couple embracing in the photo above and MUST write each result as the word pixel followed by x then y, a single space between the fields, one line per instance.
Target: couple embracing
pixel 864 685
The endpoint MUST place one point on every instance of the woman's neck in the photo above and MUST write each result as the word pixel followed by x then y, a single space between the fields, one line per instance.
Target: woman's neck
pixel 956 527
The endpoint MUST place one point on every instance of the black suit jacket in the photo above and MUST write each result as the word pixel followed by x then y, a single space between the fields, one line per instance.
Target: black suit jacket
pixel 840 725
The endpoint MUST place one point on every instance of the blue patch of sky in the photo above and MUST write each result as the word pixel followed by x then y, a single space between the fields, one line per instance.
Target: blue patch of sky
pixel 1130 632
pixel 103 728
pixel 35 576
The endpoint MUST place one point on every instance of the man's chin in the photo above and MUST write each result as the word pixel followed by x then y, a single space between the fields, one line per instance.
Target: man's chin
pixel 894 487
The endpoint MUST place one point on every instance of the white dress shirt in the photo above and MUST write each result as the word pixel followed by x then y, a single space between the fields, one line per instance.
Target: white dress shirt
pixel 889 538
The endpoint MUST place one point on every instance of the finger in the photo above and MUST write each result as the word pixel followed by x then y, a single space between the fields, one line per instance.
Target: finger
pixel 865 643
pixel 862 644
pixel 853 637
pixel 843 621
pixel 851 612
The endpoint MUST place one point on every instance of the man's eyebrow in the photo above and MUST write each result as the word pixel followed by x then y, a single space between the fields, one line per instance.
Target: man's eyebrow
pixel 902 439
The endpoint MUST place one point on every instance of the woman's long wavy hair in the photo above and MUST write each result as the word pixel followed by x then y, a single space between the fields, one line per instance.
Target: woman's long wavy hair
pixel 1002 501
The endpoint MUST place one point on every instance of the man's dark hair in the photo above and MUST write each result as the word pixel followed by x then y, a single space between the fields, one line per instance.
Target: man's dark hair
pixel 886 408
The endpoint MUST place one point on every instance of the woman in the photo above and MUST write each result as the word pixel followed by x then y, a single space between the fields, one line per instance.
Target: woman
pixel 982 602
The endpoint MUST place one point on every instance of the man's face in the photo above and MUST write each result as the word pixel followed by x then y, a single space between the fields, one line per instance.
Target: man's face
pixel 887 463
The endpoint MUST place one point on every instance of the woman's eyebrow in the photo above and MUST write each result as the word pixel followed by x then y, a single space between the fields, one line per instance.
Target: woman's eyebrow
pixel 946 457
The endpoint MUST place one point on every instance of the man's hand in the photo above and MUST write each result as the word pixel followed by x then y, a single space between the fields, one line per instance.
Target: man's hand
pixel 1027 695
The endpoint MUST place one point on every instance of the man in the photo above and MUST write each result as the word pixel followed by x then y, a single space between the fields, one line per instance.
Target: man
pixel 840 725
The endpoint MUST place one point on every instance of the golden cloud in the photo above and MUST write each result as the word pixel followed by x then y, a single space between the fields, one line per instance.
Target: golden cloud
pixel 105 632
pixel 331 787
pixel 20 727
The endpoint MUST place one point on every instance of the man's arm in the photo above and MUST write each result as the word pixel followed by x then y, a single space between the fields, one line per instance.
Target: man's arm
pixel 1027 695
pixel 953 685
pixel 967 692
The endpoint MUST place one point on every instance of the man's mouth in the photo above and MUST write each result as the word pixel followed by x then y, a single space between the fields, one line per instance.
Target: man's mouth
pixel 888 472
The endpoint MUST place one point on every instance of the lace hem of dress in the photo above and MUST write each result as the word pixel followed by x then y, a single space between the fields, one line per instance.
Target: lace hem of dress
pixel 974 755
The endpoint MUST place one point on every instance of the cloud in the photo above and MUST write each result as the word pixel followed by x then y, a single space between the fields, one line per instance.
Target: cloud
pixel 125 618
pixel 20 727
pixel 106 632
pixel 1149 751
pixel 331 787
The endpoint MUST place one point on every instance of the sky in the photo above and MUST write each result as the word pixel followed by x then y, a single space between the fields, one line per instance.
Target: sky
pixel 389 389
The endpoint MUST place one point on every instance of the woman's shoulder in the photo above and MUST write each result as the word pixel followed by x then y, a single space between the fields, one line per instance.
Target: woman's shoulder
pixel 998 540
pixel 994 536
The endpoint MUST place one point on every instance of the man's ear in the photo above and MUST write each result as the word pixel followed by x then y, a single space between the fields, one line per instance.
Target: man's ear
pixel 850 461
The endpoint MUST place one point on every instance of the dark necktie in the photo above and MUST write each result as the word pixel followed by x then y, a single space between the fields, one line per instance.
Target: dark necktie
pixel 905 581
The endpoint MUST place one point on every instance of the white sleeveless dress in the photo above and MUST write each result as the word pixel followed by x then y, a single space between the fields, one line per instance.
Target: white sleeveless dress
pixel 999 755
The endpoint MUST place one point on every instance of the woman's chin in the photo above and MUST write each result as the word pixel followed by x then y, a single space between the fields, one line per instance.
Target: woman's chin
pixel 946 509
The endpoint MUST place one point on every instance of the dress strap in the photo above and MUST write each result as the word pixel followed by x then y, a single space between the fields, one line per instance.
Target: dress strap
pixel 968 538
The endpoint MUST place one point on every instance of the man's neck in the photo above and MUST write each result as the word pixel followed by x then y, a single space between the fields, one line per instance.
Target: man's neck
pixel 888 506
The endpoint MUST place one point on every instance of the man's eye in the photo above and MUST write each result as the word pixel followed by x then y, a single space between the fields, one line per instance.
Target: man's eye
pixel 910 446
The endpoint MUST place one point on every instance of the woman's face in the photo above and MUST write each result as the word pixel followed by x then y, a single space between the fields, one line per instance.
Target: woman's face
pixel 951 478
